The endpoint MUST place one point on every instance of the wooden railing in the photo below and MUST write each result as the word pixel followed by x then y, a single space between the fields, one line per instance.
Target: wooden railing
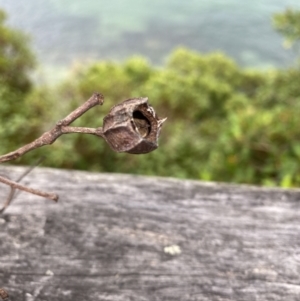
pixel 123 237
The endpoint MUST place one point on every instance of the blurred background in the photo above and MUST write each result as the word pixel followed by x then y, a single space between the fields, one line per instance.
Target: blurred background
pixel 226 74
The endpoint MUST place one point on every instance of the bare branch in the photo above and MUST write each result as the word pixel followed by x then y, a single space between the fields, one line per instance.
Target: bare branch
pixel 83 130
pixel 51 196
pixel 13 190
pixel 60 128
pixel 132 126
pixel 94 100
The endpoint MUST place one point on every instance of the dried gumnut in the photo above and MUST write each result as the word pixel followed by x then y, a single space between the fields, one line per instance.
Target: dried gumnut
pixel 132 126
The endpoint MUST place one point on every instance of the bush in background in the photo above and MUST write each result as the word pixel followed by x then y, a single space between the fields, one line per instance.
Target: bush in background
pixel 224 123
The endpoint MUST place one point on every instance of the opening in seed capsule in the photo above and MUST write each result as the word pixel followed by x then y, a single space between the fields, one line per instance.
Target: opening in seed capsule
pixel 142 123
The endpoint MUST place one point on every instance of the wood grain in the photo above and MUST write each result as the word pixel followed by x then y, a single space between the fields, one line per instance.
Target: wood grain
pixel 122 237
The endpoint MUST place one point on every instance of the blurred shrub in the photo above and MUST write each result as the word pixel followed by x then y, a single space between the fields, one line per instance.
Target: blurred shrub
pixel 287 23
pixel 16 60
pixel 224 123
pixel 16 63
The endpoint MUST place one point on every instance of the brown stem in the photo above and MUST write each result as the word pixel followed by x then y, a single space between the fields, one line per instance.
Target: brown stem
pixel 13 190
pixel 51 196
pixel 83 130
pixel 95 99
pixel 61 127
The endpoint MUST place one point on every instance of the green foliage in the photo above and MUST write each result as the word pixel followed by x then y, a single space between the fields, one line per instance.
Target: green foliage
pixel 288 24
pixel 16 61
pixel 224 123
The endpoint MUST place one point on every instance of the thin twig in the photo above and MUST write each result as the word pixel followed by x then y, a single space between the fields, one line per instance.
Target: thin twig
pixel 13 190
pixel 60 128
pixel 83 130
pixel 49 137
pixel 51 196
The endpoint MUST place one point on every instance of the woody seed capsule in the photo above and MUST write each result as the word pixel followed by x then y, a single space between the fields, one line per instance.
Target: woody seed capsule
pixel 132 126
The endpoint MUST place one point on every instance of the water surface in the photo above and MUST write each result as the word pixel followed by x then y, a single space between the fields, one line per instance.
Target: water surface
pixel 67 31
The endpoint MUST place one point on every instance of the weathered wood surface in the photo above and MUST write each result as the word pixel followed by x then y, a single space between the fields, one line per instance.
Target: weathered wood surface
pixel 121 237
